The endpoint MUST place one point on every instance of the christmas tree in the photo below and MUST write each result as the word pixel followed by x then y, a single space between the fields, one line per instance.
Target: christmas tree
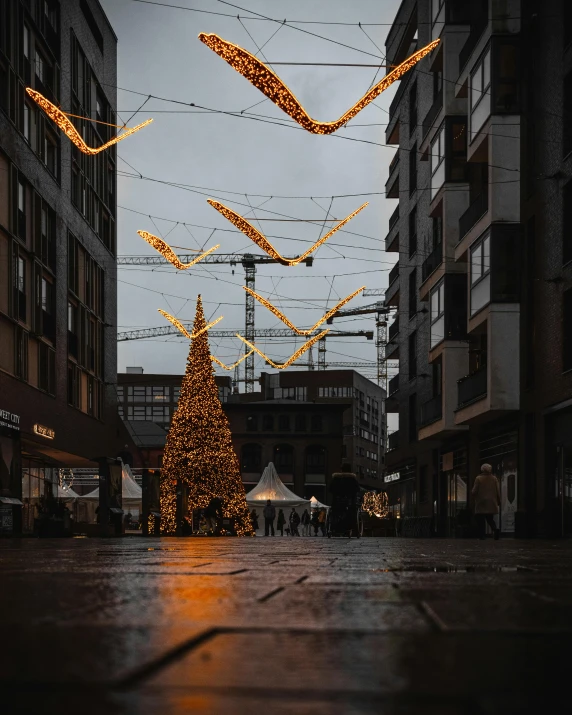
pixel 199 451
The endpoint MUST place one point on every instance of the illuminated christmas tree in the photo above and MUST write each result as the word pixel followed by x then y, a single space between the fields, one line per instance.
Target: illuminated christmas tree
pixel 199 450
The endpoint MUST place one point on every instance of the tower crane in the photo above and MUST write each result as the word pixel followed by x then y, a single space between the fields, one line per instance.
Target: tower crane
pixel 248 262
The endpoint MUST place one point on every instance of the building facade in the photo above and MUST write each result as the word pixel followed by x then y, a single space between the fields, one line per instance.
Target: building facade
pixel 482 283
pixel 57 247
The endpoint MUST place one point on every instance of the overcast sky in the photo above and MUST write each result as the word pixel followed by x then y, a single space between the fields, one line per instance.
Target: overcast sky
pixel 159 54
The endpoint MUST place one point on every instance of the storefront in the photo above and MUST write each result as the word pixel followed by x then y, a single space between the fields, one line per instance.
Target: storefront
pixel 401 492
pixel 10 474
pixel 500 450
pixel 452 508
pixel 558 500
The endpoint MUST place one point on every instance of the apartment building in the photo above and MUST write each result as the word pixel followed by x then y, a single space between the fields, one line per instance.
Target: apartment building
pixel 483 273
pixel 57 249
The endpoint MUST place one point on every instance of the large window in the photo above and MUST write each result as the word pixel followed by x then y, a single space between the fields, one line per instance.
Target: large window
pixel 438 314
pixel 290 393
pixel 284 458
pixel 315 459
pixel 251 458
pixel 337 392
pixel 480 273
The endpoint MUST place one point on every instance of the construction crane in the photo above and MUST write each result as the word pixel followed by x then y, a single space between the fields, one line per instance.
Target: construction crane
pixel 381 311
pixel 248 262
pixel 371 292
pixel 258 333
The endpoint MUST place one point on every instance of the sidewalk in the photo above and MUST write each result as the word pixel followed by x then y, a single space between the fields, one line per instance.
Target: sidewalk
pixel 304 626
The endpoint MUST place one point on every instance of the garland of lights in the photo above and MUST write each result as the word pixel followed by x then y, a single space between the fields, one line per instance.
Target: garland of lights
pixel 181 327
pixel 198 454
pixel 264 79
pixel 65 124
pixel 375 504
pixel 231 367
pixel 285 320
pixel 291 359
pixel 167 252
pixel 262 242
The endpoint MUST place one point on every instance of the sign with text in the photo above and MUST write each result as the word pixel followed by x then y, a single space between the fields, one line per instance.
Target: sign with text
pixel 10 420
pixel 43 431
pixel 391 477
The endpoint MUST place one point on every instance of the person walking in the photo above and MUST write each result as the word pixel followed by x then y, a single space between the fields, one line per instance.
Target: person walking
pixel 213 513
pixel 254 519
pixel 314 521
pixel 269 516
pixel 322 520
pixel 294 522
pixel 281 522
pixel 486 492
pixel 305 523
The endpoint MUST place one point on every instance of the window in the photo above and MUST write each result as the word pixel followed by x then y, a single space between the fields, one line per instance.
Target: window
pixel 412 293
pixel 315 459
pixel 480 274
pixel 437 152
pixel 21 353
pixel 46 368
pixel 251 458
pixel 412 417
pixel 423 485
pixel 438 314
pixel 19 286
pixel 316 423
pixel 176 394
pixel 284 423
pixel 412 354
pixel 436 7
pixel 300 423
pixel 567 329
pixel 268 422
pixel 26 122
pixel 481 79
pixel 290 393
pixel 26 42
pixel 412 232
pixel 284 458
pixel 50 152
pixel 40 67
pixel 252 423
pixel 160 394
pixel 413 168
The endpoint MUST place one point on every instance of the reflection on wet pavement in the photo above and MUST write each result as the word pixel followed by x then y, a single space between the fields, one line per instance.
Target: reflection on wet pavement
pixel 288 626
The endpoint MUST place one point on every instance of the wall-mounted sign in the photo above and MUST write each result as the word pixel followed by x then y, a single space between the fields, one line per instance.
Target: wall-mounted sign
pixel 46 432
pixel 9 419
pixel 391 477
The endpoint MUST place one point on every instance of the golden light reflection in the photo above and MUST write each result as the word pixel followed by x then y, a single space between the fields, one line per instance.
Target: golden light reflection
pixel 264 79
pixel 285 320
pixel 167 252
pixel 291 359
pixel 61 120
pixel 262 242
pixel 376 504
pixel 182 328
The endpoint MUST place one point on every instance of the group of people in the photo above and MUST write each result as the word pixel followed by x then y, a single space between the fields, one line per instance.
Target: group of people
pixel 306 522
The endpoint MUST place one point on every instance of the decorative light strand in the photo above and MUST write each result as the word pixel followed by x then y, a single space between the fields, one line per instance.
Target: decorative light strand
pixel 199 458
pixel 167 252
pixel 291 359
pixel 231 367
pixel 285 320
pixel 61 120
pixel 262 242
pixel 181 327
pixel 264 79
pixel 375 504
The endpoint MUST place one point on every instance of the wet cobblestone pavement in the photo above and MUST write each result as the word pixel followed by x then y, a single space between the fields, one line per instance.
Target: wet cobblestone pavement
pixel 307 626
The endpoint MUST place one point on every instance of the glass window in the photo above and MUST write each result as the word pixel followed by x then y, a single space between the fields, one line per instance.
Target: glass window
pixel 138 394
pixel 316 423
pixel 284 423
pixel 480 260
pixel 438 150
pixel 26 120
pixel 268 422
pixel 21 197
pixel 26 47
pixel 481 79
pixel 176 394
pixel 21 275
pixel 251 423
pixel 40 67
pixel 300 423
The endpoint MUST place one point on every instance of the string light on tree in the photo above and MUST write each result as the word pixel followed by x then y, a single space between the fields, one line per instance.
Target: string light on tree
pixel 181 327
pixel 167 252
pixel 262 242
pixel 293 357
pixel 285 320
pixel 375 504
pixel 264 79
pixel 61 120
pixel 198 452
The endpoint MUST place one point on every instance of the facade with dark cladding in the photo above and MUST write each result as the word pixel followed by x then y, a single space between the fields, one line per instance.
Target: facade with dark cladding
pixel 57 246
pixel 483 281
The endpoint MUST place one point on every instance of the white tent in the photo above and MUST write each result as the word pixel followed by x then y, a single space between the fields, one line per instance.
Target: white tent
pixel 131 494
pixel 67 493
pixel 270 486
pixel 318 504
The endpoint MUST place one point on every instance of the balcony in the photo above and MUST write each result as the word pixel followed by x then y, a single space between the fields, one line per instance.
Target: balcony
pixel 393 441
pixel 476 211
pixel 394 162
pixel 393 274
pixel 394 218
pixel 432 114
pixel 472 388
pixel 478 26
pixel 393 386
pixel 432 410
pixel 393 330
pixel 392 238
pixel 432 262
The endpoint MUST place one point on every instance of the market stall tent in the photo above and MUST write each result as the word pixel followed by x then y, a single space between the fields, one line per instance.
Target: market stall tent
pixel 318 504
pixel 131 495
pixel 270 486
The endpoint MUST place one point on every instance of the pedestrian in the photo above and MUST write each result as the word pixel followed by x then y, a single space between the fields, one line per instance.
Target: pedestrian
pixel 305 523
pixel 486 492
pixel 281 522
pixel 269 516
pixel 322 515
pixel 254 519
pixel 294 522
pixel 213 512
pixel 314 521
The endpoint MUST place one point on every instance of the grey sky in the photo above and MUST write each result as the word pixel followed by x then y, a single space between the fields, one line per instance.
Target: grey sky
pixel 159 54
